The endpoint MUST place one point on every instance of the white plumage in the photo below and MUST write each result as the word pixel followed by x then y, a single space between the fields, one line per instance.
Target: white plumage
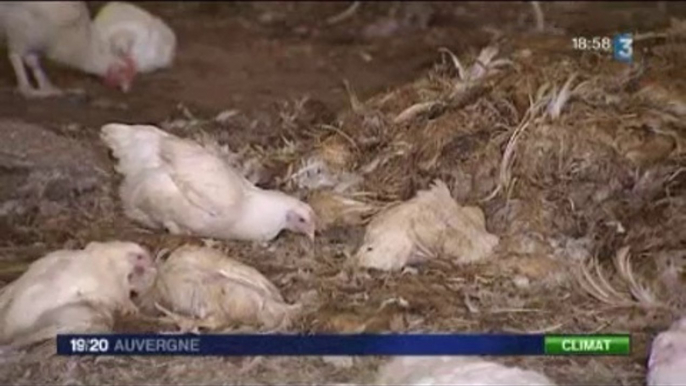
pixel 125 40
pixel 177 184
pixel 456 371
pixel 667 362
pixel 429 225
pixel 60 30
pixel 131 30
pixel 213 291
pixel 73 291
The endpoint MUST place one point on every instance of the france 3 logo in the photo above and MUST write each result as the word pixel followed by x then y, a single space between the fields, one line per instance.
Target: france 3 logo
pixel 622 47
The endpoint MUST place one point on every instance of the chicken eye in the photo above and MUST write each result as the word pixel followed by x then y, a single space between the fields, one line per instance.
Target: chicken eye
pixel 302 220
pixel 136 256
pixel 369 249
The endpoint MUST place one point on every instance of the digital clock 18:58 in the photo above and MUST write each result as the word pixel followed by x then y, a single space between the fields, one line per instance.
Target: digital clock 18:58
pixel 595 43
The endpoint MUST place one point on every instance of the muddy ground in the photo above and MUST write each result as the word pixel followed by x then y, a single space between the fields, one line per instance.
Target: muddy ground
pixel 283 67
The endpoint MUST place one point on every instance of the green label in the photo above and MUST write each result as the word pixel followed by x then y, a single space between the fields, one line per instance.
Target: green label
pixel 588 345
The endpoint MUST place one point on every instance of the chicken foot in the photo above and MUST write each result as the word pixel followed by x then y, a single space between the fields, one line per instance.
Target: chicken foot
pixel 45 87
pixel 44 83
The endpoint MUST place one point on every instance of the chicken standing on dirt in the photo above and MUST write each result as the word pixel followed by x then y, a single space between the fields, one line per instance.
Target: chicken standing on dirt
pixel 177 184
pixel 667 362
pixel 429 225
pixel 73 291
pixel 134 33
pixel 63 32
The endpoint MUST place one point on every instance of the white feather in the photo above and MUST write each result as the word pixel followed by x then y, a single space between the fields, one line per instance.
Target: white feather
pixel 458 371
pixel 667 361
pixel 128 28
pixel 203 283
pixel 60 30
pixel 429 225
pixel 69 291
pixel 177 184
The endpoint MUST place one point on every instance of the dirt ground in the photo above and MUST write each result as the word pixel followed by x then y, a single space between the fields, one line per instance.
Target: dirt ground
pixel 282 67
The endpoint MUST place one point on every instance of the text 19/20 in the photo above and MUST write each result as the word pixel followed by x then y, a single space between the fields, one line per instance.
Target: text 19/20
pixel 92 345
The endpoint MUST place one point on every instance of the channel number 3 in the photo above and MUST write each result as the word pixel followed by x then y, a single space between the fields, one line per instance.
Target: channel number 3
pixel 625 47
pixel 623 50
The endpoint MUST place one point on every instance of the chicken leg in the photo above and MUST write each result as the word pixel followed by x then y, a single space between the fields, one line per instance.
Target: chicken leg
pixel 45 88
pixel 20 72
pixel 44 85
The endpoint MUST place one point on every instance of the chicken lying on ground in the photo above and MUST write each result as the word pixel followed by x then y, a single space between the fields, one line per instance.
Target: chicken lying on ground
pixel 463 371
pixel 667 362
pixel 429 225
pixel 73 291
pixel 63 32
pixel 202 288
pixel 136 34
pixel 176 184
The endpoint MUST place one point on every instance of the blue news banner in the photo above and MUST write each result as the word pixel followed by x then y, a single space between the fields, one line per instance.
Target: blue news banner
pixel 259 345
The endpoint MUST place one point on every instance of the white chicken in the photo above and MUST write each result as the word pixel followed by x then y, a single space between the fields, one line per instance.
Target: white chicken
pixel 177 184
pixel 204 288
pixel 133 32
pixel 458 371
pixel 667 361
pixel 73 291
pixel 429 225
pixel 61 31
pixel 64 32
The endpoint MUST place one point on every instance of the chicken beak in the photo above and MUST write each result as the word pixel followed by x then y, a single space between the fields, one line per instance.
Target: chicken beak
pixel 311 235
